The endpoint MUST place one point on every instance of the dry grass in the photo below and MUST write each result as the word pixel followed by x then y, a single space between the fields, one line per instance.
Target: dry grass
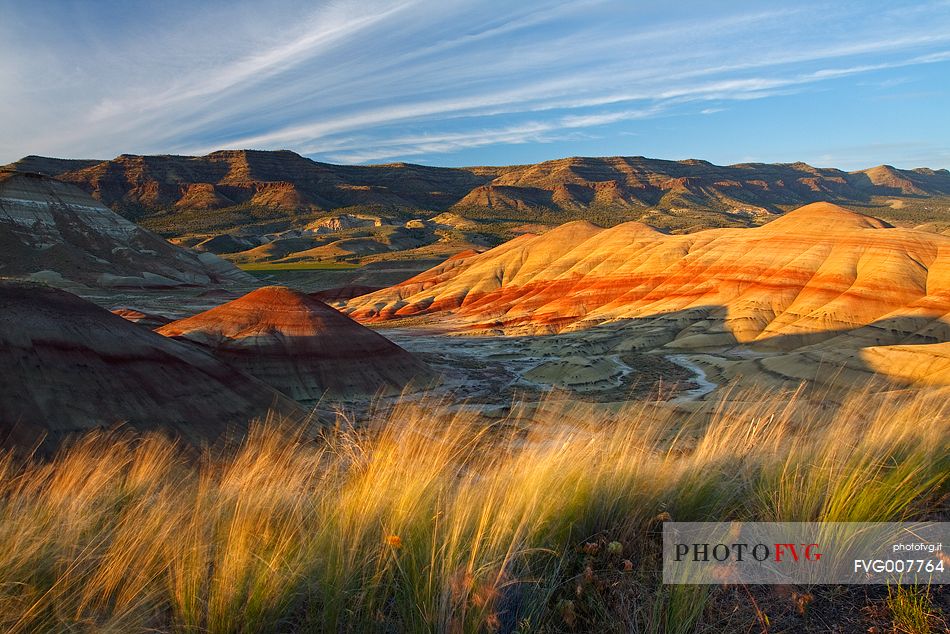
pixel 426 521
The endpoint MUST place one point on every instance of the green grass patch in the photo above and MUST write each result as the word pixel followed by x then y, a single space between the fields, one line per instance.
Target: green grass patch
pixel 298 266
pixel 912 609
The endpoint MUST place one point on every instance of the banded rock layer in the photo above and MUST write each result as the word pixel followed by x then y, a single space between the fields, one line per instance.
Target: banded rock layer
pixel 54 232
pixel 819 276
pixel 69 366
pixel 300 345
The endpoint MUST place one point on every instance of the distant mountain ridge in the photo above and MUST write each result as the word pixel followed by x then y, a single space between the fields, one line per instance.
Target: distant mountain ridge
pixel 284 181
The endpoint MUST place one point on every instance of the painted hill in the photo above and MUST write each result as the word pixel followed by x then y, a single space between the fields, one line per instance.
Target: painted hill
pixel 819 278
pixel 922 364
pixel 55 232
pixel 301 346
pixel 284 181
pixel 69 366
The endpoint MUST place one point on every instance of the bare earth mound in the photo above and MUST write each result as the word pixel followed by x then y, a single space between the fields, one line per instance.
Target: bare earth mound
pixel 301 346
pixel 69 366
pixel 821 282
pixel 922 364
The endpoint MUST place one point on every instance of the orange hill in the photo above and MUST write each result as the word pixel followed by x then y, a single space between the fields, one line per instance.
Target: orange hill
pixel 300 345
pixel 819 274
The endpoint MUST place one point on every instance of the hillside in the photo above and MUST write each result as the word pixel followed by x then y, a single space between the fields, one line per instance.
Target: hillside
pixel 282 181
pixel 54 232
pixel 266 209
pixel 275 184
pixel 300 346
pixel 69 366
pixel 815 287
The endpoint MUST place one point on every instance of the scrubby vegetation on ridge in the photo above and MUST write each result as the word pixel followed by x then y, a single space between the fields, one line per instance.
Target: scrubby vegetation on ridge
pixel 426 520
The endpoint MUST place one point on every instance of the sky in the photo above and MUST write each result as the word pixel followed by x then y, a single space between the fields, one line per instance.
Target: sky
pixel 849 84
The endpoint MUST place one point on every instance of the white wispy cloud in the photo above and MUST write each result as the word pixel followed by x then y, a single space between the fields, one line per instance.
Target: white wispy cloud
pixel 368 80
pixel 255 67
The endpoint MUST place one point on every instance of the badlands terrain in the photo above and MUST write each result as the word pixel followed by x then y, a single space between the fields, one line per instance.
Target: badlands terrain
pixel 301 346
pixel 282 210
pixel 819 294
pixel 643 276
pixel 251 392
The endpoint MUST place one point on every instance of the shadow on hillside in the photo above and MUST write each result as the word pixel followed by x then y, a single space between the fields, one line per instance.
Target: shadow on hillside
pixel 822 357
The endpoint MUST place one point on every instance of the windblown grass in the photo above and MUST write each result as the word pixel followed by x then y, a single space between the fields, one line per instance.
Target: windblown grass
pixel 425 520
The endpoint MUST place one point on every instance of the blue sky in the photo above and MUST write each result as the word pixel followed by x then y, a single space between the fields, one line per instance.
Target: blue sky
pixel 849 84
